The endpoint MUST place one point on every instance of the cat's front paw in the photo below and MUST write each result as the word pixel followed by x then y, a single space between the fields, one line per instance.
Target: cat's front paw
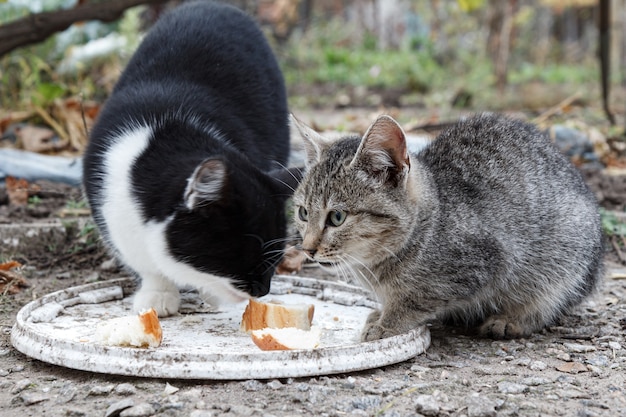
pixel 502 327
pixel 374 331
pixel 165 303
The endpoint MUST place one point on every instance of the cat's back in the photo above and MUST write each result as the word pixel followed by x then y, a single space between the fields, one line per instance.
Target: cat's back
pixel 206 42
pixel 493 157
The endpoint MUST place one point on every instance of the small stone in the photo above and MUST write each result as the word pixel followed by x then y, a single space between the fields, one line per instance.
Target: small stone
pixel 538 366
pixel 4 372
pixel 565 357
pixel 506 387
pixel 109 265
pixel 534 381
pixel 242 410
pixel 573 393
pixel 419 369
pixel 21 385
pixel 201 413
pixel 302 386
pixel 252 385
pixel 597 360
pixel 579 348
pixel 64 275
pixel 125 389
pixel 115 409
pixel 18 368
pixel 93 277
pixel 595 371
pixel 275 384
pixel 349 383
pixel 140 410
pixel 101 390
pixel 479 406
pixel 367 402
pixel 31 398
pixel 66 393
pixel 572 367
pixel 522 362
pixel 427 405
pixel 170 389
pixel 615 346
pixel 74 412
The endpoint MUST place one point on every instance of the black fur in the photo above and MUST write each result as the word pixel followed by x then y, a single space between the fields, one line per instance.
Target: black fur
pixel 204 68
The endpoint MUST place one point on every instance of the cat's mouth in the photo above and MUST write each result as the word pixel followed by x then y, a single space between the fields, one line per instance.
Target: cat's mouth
pixel 327 263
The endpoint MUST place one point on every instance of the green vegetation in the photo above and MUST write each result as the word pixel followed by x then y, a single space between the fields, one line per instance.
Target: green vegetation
pixel 612 224
pixel 444 53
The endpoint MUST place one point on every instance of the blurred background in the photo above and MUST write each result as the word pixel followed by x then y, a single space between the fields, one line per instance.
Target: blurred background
pixel 425 62
pixel 512 55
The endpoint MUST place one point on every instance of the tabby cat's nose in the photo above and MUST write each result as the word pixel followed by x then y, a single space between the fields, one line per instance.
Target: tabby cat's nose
pixel 310 252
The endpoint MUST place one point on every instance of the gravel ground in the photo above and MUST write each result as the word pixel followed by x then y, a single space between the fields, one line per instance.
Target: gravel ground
pixel 574 369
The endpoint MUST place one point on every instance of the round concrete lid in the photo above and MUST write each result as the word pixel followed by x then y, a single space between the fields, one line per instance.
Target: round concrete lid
pixel 201 343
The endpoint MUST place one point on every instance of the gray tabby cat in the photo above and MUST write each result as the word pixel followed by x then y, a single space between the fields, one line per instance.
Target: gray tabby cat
pixel 488 225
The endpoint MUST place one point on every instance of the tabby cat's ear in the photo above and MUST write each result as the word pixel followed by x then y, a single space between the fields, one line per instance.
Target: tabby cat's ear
pixel 314 143
pixel 383 152
pixel 205 184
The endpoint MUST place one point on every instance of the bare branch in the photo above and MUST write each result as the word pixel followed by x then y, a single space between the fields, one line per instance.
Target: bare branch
pixel 37 27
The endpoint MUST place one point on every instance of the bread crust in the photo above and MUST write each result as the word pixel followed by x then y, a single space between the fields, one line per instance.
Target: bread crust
pixel 260 315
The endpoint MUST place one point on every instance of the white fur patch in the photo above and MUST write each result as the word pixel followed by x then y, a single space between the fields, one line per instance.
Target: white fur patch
pixel 142 246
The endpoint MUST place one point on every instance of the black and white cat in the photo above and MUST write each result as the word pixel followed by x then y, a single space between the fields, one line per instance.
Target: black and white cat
pixel 184 170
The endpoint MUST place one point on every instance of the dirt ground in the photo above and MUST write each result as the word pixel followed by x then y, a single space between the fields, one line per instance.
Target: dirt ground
pixel 576 368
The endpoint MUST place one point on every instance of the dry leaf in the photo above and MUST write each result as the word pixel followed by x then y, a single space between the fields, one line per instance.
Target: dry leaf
pixel 38 139
pixel 6 121
pixel 11 282
pixel 19 190
pixel 7 266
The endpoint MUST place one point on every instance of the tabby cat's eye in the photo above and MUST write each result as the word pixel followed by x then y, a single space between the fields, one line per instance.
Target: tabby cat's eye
pixel 303 214
pixel 336 218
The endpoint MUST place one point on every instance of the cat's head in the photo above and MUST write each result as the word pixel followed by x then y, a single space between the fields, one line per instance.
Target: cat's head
pixel 233 222
pixel 352 206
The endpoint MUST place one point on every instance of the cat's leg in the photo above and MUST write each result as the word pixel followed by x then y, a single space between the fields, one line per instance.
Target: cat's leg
pixel 159 293
pixel 392 321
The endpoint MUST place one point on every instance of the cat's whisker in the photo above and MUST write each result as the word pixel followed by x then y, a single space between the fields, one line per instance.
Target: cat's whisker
pixel 286 184
pixel 365 268
pixel 300 170
pixel 257 237
pixel 279 240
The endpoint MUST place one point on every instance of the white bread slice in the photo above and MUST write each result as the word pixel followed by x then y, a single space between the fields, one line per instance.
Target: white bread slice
pixel 259 315
pixel 287 338
pixel 143 330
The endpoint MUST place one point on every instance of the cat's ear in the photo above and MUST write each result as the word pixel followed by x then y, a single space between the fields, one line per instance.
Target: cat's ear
pixel 314 143
pixel 287 180
pixel 205 184
pixel 383 150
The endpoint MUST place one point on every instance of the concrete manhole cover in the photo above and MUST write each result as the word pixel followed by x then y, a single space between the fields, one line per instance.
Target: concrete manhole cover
pixel 202 344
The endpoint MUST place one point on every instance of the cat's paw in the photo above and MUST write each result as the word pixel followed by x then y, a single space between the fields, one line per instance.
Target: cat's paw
pixel 502 327
pixel 374 331
pixel 165 303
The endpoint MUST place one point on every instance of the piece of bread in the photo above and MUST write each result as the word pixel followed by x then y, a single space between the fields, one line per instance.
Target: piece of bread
pixel 287 338
pixel 143 330
pixel 259 315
